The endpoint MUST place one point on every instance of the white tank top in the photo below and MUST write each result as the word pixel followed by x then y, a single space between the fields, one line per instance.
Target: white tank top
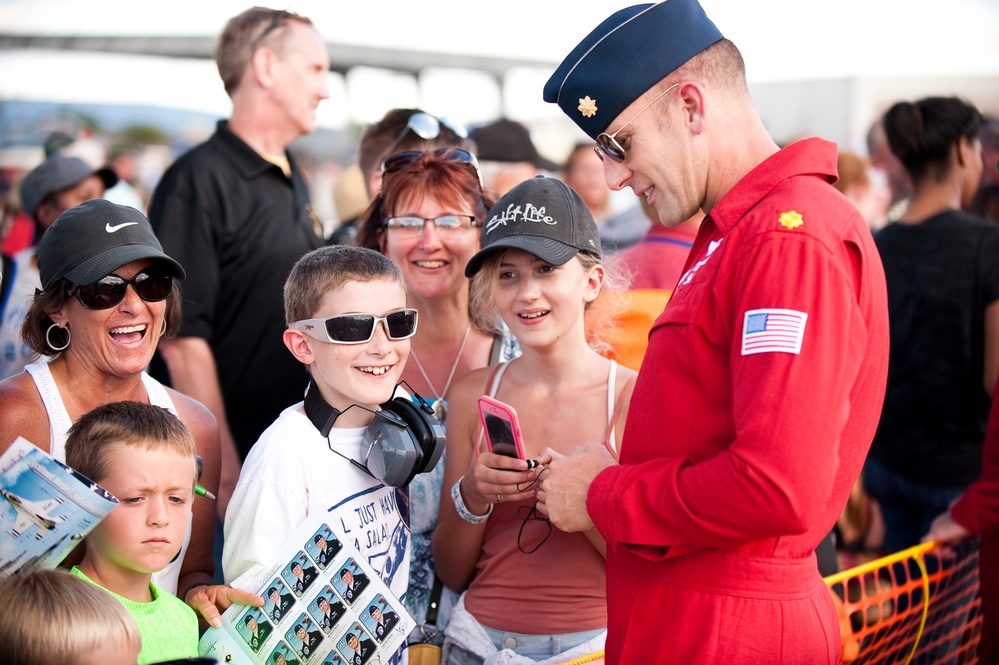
pixel 59 424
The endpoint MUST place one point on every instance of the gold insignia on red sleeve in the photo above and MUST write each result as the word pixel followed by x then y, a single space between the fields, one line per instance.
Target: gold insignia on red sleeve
pixel 790 220
pixel 588 107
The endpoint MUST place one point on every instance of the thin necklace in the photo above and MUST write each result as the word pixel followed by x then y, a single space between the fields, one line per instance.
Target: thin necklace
pixel 440 404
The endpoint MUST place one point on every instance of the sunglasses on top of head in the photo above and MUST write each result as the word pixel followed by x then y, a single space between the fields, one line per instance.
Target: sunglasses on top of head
pixel 152 284
pixel 401 160
pixel 277 18
pixel 359 328
pixel 427 127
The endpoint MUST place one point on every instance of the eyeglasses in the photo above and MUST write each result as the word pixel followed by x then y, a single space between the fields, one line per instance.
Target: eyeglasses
pixel 359 328
pixel 151 284
pixel 445 224
pixel 277 19
pixel 401 160
pixel 427 127
pixel 607 143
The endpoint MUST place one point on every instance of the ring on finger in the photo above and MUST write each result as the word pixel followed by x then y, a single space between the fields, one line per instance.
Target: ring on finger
pixel 499 498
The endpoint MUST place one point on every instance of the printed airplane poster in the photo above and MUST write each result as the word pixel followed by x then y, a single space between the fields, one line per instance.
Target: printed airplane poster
pixel 46 509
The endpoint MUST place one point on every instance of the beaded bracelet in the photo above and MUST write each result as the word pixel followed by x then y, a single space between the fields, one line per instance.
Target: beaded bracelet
pixel 463 511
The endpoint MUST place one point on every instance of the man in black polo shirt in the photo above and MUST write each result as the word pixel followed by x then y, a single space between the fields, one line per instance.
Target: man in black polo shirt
pixel 235 212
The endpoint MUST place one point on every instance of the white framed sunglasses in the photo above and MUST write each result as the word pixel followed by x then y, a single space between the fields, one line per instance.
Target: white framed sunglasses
pixel 359 328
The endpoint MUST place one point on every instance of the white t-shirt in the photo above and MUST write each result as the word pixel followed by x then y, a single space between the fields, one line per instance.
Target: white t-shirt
pixel 291 473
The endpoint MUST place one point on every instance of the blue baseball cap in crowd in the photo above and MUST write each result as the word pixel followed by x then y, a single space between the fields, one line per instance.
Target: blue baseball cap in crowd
pixel 541 216
pixel 624 56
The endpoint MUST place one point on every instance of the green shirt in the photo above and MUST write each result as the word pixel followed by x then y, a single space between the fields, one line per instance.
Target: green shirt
pixel 169 628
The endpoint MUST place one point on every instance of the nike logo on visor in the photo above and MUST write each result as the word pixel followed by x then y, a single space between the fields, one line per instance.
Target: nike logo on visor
pixel 112 229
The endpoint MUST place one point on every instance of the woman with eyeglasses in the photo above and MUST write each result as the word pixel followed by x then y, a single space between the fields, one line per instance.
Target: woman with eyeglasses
pixel 108 296
pixel 529 587
pixel 427 218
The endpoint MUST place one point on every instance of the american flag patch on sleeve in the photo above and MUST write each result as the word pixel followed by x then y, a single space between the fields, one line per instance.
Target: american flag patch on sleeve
pixel 773 331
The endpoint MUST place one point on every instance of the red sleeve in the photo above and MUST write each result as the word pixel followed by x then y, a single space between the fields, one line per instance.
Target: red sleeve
pixel 789 412
pixel 978 509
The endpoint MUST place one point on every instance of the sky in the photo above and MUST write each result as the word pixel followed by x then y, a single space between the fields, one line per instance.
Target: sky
pixel 781 40
pixel 780 37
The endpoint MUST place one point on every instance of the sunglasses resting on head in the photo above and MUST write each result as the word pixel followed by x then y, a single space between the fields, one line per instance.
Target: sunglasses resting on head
pixel 359 328
pixel 427 127
pixel 401 160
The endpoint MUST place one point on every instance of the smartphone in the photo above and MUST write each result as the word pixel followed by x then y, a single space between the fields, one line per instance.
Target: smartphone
pixel 501 427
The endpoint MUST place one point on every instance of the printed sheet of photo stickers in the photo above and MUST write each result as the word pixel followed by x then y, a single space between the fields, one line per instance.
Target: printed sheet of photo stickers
pixel 324 606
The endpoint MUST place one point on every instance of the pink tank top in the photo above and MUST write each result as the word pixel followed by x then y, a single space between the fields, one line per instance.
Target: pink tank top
pixel 560 588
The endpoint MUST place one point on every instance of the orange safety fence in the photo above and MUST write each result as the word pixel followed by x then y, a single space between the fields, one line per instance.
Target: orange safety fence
pixel 920 605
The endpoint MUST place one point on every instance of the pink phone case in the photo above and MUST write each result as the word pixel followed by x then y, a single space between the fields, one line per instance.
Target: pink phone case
pixel 501 427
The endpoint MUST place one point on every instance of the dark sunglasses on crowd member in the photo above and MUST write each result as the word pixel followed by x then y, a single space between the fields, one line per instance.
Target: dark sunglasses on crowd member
pixel 152 284
pixel 401 160
pixel 427 127
pixel 359 328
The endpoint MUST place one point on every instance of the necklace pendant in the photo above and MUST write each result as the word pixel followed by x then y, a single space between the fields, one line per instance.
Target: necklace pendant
pixel 440 409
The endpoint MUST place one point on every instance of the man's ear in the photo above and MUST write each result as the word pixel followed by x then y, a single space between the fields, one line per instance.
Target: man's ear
pixel 262 66
pixel 693 105
pixel 299 345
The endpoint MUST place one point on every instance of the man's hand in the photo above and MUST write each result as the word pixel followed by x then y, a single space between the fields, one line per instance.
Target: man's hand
pixel 945 530
pixel 565 483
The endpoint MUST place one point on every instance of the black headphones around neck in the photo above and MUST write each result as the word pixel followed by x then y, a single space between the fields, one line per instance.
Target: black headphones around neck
pixel 403 439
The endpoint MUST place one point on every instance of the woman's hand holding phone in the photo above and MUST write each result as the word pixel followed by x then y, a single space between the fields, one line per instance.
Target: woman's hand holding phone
pixel 500 473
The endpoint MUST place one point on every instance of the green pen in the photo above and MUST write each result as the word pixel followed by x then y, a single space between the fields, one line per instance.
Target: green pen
pixel 201 491
pixel 198 489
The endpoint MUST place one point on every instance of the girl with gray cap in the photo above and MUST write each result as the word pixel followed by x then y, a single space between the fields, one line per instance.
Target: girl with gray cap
pixel 540 268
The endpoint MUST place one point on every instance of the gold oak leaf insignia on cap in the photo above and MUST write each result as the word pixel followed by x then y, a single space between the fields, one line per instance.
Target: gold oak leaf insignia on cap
pixel 588 107
pixel 790 220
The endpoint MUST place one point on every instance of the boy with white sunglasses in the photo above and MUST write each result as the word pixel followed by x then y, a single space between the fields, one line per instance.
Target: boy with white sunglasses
pixel 349 325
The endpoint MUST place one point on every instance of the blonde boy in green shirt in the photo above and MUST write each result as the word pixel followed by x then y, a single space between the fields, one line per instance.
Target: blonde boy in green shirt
pixel 147 458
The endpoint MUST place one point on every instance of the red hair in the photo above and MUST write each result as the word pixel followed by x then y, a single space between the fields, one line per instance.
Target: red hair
pixel 434 174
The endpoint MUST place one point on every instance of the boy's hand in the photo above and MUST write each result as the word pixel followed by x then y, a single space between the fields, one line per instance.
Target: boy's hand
pixel 210 600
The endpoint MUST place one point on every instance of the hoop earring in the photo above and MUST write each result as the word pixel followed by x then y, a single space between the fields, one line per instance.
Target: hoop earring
pixel 163 328
pixel 48 338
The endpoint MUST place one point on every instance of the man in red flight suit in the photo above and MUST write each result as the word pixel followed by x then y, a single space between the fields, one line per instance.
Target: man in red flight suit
pixel 764 377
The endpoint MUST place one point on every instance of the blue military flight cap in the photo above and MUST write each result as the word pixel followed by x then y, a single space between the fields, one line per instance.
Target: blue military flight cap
pixel 625 56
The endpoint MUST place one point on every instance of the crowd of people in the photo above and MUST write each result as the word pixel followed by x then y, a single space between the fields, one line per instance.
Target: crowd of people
pixel 702 381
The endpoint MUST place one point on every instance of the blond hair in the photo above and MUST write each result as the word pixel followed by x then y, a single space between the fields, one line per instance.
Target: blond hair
pixel 482 297
pixel 720 64
pixel 52 616
pixel 125 423
pixel 324 270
